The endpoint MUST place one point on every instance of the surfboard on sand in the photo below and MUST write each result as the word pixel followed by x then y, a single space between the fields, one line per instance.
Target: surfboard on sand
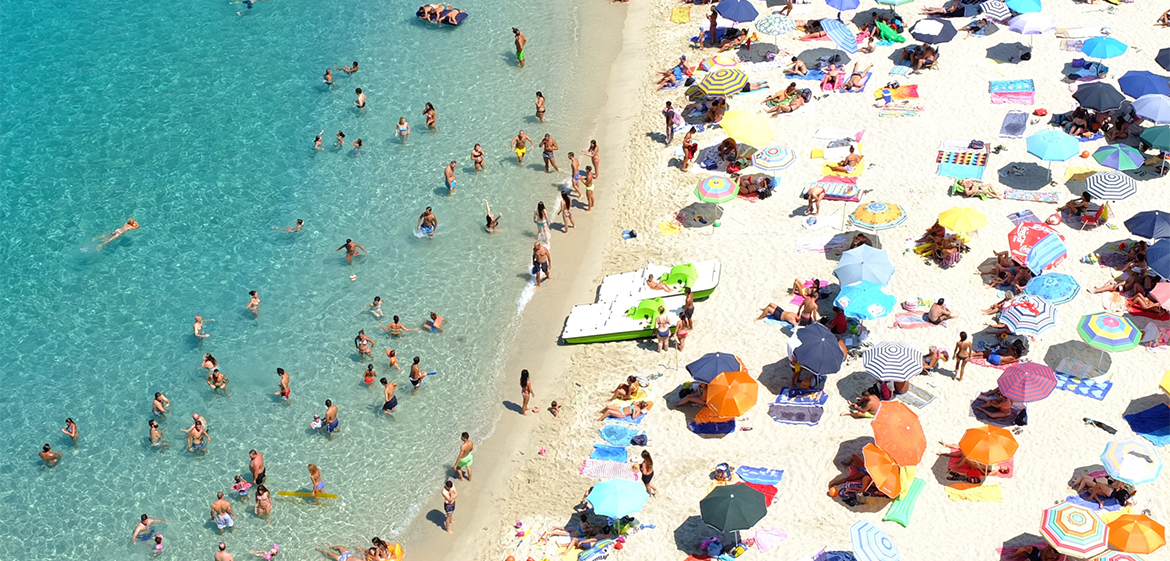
pixel 305 494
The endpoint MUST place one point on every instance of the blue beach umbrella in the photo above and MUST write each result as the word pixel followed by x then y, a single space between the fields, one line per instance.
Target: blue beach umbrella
pixel 1149 224
pixel 840 35
pixel 893 2
pixel 616 498
pixel 1119 157
pixel 1023 6
pixel 737 10
pixel 1053 145
pixel 1163 58
pixel 1102 47
pixel 1056 288
pixel 1158 257
pixel 819 350
pixel 866 300
pixel 871 543
pixel 1137 83
pixel 843 5
pixel 1153 107
pixel 711 365
pixel 864 264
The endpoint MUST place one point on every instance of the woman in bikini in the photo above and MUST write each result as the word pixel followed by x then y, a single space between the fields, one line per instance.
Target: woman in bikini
pixel 263 502
pixel 832 79
pixel 625 411
pixel 625 389
pixel 540 217
pixel 429 113
pixel 656 285
pixel 567 211
pixel 526 392
pixel 680 334
pixel 856 79
pixel 962 354
pixel 594 153
pixel 209 362
pixel 477 158
pixel 976 188
pixel 403 129
pixel 131 224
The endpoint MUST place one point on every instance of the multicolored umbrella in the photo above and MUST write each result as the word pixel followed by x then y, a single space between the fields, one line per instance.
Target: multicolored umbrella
pixel 1103 47
pixel 737 10
pixel 1119 157
pixel 1117 556
pixel 773 158
pixel 865 300
pixel 1157 137
pixel 775 24
pixel 731 394
pixel 836 30
pixel 1111 186
pixel 1036 246
pixel 746 127
pixel 818 350
pixel 1109 332
pixel 962 219
pixel 890 361
pixel 988 445
pixel 1133 461
pixel 871 543
pixel 1098 96
pixel 1024 6
pixel 710 365
pixel 731 508
pixel 864 263
pixel 1027 382
pixel 1028 315
pixel 716 189
pixel 616 498
pixel 1074 530
pixel 897 430
pixel 885 472
pixel 1055 288
pixel 1137 83
pixel 1153 107
pixel 996 10
pixel 723 82
pixel 718 61
pixel 878 216
pixel 1136 533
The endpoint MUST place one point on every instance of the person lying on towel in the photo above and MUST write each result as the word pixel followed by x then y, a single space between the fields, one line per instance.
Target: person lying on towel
pixel 849 164
pixel 625 412
pixel 695 394
pixel 976 188
pixel 999 407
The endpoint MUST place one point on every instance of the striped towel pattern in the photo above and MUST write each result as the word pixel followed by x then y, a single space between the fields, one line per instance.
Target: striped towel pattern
pixel 604 469
pixel 902 69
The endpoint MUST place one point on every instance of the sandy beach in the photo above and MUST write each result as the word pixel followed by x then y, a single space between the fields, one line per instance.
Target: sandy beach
pixel 757 246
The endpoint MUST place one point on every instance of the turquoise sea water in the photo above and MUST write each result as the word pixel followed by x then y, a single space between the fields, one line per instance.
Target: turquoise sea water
pixel 199 124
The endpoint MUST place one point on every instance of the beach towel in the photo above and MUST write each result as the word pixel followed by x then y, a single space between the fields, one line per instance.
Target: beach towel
pixel 1022 92
pixel 900 111
pixel 610 453
pixel 777 323
pixel 822 244
pixel 1079 32
pixel 726 427
pixel 1004 470
pixel 681 15
pixel 769 491
pixel 911 320
pixel 901 69
pixel 829 135
pixel 901 508
pixel 864 82
pixel 604 469
pixel 974 493
pixel 1022 217
pixel 1074 45
pixel 900 93
pixel 626 420
pixel 619 435
pixel 793 414
pixel 769 538
pixel 813 74
pixel 837 188
pixel 1136 311
pixel 826 170
pixel 669 228
pixel 1032 196
pixel 797 396
pixel 1096 136
pixel 1014 125
pixel 915 397
pixel 960 163
pixel 1111 504
pixel 1084 387
pixel 982 417
pixel 759 475
pixel 1153 424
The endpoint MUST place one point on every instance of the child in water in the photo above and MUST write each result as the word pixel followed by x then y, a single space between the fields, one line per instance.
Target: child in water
pixel 241 487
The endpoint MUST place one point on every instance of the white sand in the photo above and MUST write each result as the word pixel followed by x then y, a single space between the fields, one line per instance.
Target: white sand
pixel 756 245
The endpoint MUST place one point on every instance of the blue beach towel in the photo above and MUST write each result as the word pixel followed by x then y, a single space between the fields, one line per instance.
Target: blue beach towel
pixel 1011 86
pixel 901 69
pixel 618 435
pixel 1096 136
pixel 726 427
pixel 864 83
pixel 1111 505
pixel 609 453
pixel 813 74
pixel 1153 424
pixel 777 323
pixel 793 414
pixel 1087 388
pixel 626 420
pixel 802 397
pixel 759 475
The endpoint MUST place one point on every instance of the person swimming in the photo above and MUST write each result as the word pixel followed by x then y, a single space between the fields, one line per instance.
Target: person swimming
pixel 131 224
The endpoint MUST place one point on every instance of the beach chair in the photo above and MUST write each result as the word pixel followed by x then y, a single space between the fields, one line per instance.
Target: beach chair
pixel 934 64
pixel 958 189
pixel 1095 218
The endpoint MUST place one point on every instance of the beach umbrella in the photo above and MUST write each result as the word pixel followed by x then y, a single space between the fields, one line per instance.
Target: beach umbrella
pixel 883 470
pixel 988 445
pixel 1136 533
pixel 773 158
pixel 1157 137
pixel 1161 292
pixel 893 2
pixel 737 10
pixel 1117 556
pixel 710 365
pixel 731 394
pixel 1158 258
pixel 747 128
pixel 933 31
pixel 996 10
pixel 871 543
pixel 1109 332
pixel 1103 47
pixel 1036 246
pixel 1165 384
pixel 840 34
pixel 962 219
pixel 1133 461
pixel 891 361
pixel 716 189
pixel 731 508
pixel 843 5
pixel 1119 157
pixel 1137 83
pixel 718 61
pixel 897 430
pixel 1032 24
pixel 775 24
pixel 1053 145
pixel 865 300
pixel 1028 315
pixel 878 216
pixel 1098 96
pixel 1163 58
pixel 819 349
pixel 1074 530
pixel 1055 288
pixel 616 498
pixel 1111 186
pixel 723 82
pixel 1154 107
pixel 1027 382
pixel 864 263
pixel 1023 6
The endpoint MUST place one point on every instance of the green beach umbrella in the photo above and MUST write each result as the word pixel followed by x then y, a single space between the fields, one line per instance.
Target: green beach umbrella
pixel 1119 157
pixel 685 274
pixel 647 309
pixel 731 508
pixel 1158 137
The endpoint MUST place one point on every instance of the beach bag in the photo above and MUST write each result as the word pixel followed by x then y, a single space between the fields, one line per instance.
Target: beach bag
pixel 733 168
pixel 884 392
pixel 806 94
pixel 639 440
pixel 1078 63
pixel 710 163
pixel 1040 112
pixel 1022 417
pixel 723 472
pixel 977 145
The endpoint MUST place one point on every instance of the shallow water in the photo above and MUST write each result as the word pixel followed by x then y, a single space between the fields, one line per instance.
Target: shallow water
pixel 199 124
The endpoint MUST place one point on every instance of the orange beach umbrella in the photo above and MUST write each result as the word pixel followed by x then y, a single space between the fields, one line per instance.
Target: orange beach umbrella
pixel 883 470
pixel 988 445
pixel 897 431
pixel 1136 533
pixel 731 394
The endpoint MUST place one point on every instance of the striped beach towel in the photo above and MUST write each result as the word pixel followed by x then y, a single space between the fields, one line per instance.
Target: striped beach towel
pixel 1022 92
pixel 900 111
pixel 901 69
pixel 1032 196
pixel 604 469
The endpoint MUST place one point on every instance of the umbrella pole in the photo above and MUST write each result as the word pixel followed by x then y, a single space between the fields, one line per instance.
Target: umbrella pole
pixel 1100 360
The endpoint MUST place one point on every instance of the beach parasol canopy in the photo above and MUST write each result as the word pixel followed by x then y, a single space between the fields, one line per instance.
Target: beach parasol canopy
pixel 1111 186
pixel 775 24
pixel 1161 292
pixel 773 158
pixel 1136 533
pixel 1053 145
pixel 731 394
pixel 716 189
pixel 988 445
pixel 723 60
pixel 710 365
pixel 737 10
pixel 723 82
pixel 1158 258
pixel 819 350
pixel 1032 23
pixel 897 430
pixel 1157 137
pixel 891 361
pixel 996 10
pixel 616 498
pixel 1103 47
pixel 843 5
pixel 1133 461
pixel 1036 246
pixel 1153 107
pixel 1028 315
pixel 1098 96
pixel 1024 6
pixel 864 263
pixel 1165 384
pixel 1137 83
pixel 878 216
pixel 1055 288
pixel 1117 556
pixel 840 34
pixel 962 219
pixel 865 300
pixel 747 128
pixel 893 2
pixel 933 31
pixel 1109 332
pixel 1074 530
pixel 731 508
pixel 1163 58
pixel 871 543
pixel 1027 382
pixel 885 472
pixel 1119 157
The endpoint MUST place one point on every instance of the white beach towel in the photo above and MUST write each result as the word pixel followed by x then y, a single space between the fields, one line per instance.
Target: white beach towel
pixel 821 244
pixel 837 134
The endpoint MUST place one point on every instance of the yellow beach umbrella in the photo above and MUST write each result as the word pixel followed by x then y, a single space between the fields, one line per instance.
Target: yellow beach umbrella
pixel 962 219
pixel 747 128
pixel 1166 383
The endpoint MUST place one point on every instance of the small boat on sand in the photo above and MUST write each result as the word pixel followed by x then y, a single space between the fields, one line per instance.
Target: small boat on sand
pixel 701 278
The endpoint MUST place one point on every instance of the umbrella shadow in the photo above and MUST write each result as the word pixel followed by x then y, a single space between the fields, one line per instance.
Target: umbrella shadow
pixel 1078 350
pixel 699 215
pixel 1007 52
pixel 874 239
pixel 758 52
pixel 1142 403
pixel 1027 176
pixel 940 469
pixel 691 533
pixel 849 387
pixel 1012 544
pixel 810 56
pixel 778 375
pixel 1084 470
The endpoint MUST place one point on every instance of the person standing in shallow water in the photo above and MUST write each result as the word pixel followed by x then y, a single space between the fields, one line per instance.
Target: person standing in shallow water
pixel 521 42
pixel 540 106
pixel 449 496
pixel 449 177
pixel 463 461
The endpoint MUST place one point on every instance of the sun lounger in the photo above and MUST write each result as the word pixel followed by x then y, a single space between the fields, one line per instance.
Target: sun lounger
pixel 458 18
pixel 901 509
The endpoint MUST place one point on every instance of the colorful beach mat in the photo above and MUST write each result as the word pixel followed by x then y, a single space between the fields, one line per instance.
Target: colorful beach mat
pixel 837 188
pixel 911 320
pixel 759 475
pixel 901 69
pixel 604 469
pixel 900 111
pixel 1022 92
pixel 901 93
pixel 1031 196
pixel 1084 387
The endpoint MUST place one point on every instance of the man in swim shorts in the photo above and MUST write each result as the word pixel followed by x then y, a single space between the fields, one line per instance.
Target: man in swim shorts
pixel 221 513
pixel 416 375
pixel 575 171
pixel 463 461
pixel 331 420
pixel 427 223
pixel 541 262
pixel 199 327
pixel 197 438
pixel 160 404
pixel 520 145
pixel 939 312
pixel 156 435
pixel 351 250
pixel 521 41
pixel 256 465
pixel 143 531
pixel 217 381
pixel 549 145
pixel 449 177
pixel 435 323
pixel 449 496
pixel 284 381
pixel 391 401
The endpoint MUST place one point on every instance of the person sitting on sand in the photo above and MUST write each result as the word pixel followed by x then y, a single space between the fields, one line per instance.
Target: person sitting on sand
pixel 1128 283
pixel 939 312
pixel 1077 206
pixel 798 67
pixel 583 529
pixel 728 149
pixel 1036 553
pixel 677 73
pixel 995 407
pixel 750 184
pixel 1003 267
pixel 785 101
pixel 624 411
pixel 626 390
pixel 934 234
pixel 927 55
pixel 859 240
pixel 1145 304
pixel 856 79
pixel 1164 19
pixel 930 360
pixel 856 466
pixel 1135 255
pixel 697 395
pixel 656 285
pixel 974 27
pixel 976 188
pixel 832 79
pixel 812 29
pixel 849 164
pixel 865 407
pixel 715 110
pixel 814 291
pixel 734 39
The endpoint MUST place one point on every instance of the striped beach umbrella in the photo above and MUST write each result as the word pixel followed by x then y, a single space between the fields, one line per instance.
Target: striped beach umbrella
pixel 871 543
pixel 865 300
pixel 1056 288
pixel 775 24
pixel 1119 157
pixel 1133 461
pixel 878 216
pixel 1111 186
pixel 840 34
pixel 1024 6
pixel 1103 47
pixel 890 361
pixel 1036 246
pixel 1154 107
pixel 1027 382
pixel 1117 556
pixel 1136 533
pixel 1028 315
pixel 718 61
pixel 773 158
pixel 1074 530
pixel 1109 332
pixel 996 10
pixel 716 189
pixel 723 82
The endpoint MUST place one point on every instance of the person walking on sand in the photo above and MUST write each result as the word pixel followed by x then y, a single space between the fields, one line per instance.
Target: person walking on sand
pixel 541 218
pixel 671 117
pixel 449 177
pixel 526 392
pixel 463 461
pixel 521 42
pixel 962 355
pixel 690 149
pixel 541 262
pixel 222 515
pixel 520 144
pixel 199 327
pixel 351 250
pixel 388 391
pixel 646 470
pixel 549 145
pixel 284 390
pixel 587 178
pixel 449 496
pixel 254 303
pixel 540 106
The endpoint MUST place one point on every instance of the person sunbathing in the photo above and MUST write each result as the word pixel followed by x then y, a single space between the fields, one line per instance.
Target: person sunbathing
pixel 1100 488
pixel 865 407
pixel 586 543
pixel 934 234
pixel 624 411
pixel 953 8
pixel 750 184
pixel 832 79
pixel 849 163
pixel 754 86
pixel 974 27
pixel 450 17
pixel 583 529
pixel 734 39
pixel 728 149
pixel 996 408
pixel 1164 19
pixel 1119 129
pixel 1035 553
pixel 676 74
pixel 814 291
pixel 430 12
pixel 697 395
pixel 1135 255
pixel 715 110
pixel 812 29
pixel 930 361
pixel 976 188
pixel 806 314
pixel 1143 303
pixel 954 452
pixel 1003 354
pixel 798 67
pixel 856 466
pixel 939 312
pixel 785 101
pixel 1129 283
pixel 626 390
pixel 856 79
pixel 655 285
